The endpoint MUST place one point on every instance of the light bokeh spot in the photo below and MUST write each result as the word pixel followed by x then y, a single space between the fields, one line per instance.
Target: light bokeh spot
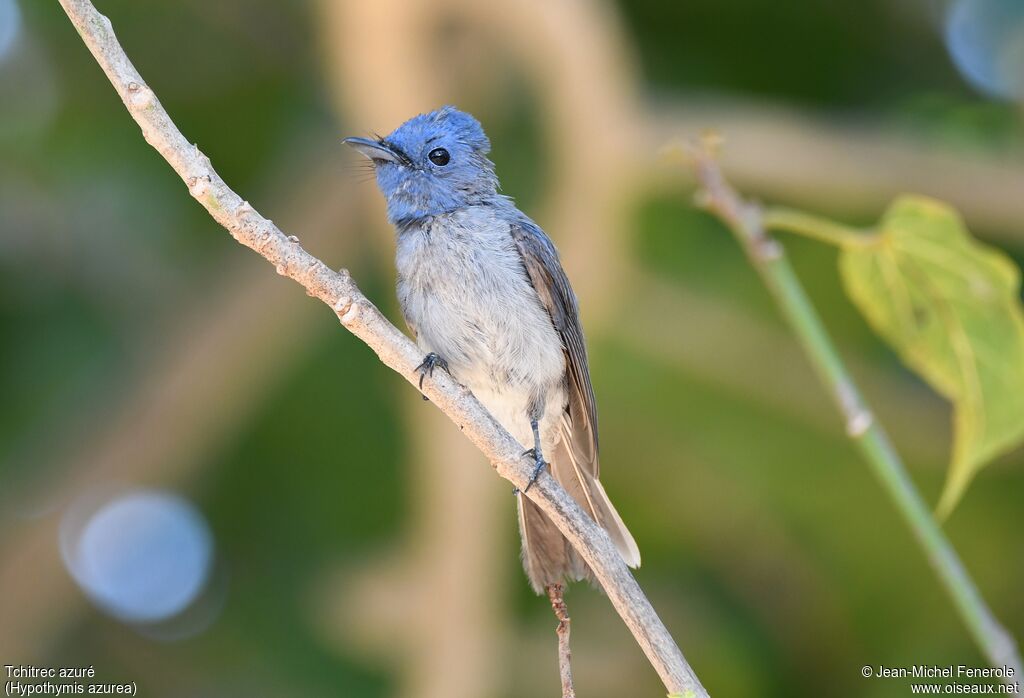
pixel 144 556
pixel 986 41
pixel 10 26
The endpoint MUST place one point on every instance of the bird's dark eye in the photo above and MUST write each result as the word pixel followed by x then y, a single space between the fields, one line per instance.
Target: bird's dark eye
pixel 439 156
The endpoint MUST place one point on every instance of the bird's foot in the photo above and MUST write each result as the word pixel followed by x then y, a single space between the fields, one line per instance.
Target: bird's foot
pixel 427 366
pixel 539 465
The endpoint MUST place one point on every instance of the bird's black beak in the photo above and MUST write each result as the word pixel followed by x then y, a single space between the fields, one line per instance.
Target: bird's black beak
pixel 375 150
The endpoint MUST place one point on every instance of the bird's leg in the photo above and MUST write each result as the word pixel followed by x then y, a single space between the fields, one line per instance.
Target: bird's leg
pixel 538 457
pixel 430 362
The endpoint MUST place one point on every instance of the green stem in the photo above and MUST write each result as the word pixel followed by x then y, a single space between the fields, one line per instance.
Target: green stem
pixel 994 641
pixel 768 257
pixel 793 221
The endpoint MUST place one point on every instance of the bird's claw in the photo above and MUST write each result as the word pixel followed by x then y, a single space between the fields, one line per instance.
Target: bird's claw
pixel 539 465
pixel 427 366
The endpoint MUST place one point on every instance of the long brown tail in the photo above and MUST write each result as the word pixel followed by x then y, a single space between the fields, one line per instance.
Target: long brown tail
pixel 547 556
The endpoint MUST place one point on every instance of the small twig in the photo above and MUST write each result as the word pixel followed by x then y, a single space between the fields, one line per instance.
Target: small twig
pixel 768 258
pixel 790 220
pixel 394 349
pixel 564 653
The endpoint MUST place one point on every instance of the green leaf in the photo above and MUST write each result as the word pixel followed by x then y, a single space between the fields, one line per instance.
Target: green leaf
pixel 950 307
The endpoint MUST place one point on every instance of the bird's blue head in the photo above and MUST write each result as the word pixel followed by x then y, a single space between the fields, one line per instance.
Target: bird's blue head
pixel 432 164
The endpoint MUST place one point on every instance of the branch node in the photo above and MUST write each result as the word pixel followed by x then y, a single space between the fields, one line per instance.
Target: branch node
pixel 201 156
pixel 767 249
pixel 140 96
pixel 858 423
pixel 346 310
pixel 295 239
pixel 199 186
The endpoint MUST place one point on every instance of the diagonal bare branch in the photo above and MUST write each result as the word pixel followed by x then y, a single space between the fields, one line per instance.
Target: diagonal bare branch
pixel 394 349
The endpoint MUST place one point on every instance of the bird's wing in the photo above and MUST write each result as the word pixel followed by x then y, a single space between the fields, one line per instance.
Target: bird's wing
pixel 574 462
pixel 540 259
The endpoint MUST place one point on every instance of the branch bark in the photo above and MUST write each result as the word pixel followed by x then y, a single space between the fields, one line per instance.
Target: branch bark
pixel 357 314
pixel 557 599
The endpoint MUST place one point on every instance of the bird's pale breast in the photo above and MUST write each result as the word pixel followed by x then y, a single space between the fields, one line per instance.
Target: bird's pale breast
pixel 463 289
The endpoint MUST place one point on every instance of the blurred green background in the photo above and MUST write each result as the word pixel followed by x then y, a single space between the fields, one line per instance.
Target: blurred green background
pixel 359 547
